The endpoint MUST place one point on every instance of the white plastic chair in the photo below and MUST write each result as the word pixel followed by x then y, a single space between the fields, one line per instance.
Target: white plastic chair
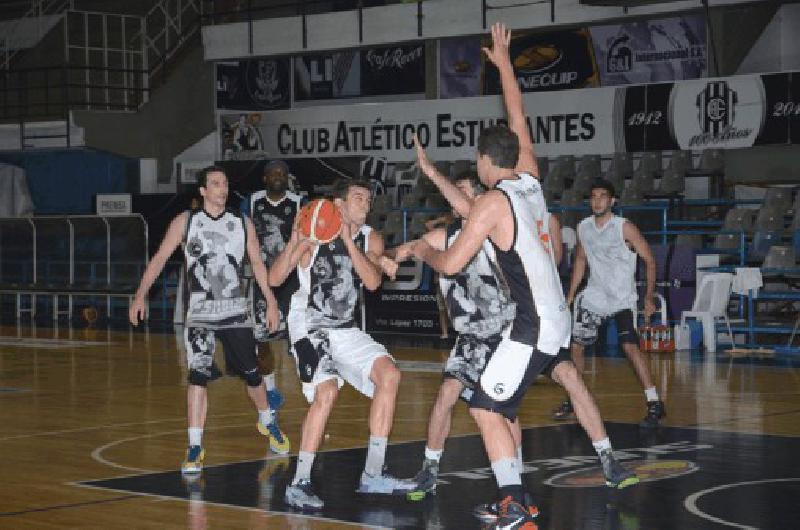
pixel 711 304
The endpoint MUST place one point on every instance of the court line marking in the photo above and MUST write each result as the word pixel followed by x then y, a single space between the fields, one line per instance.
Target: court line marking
pixel 690 503
pixel 66 506
pixel 245 508
pixel 163 420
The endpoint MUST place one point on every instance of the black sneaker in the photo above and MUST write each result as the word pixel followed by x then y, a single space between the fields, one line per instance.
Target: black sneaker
pixel 426 478
pixel 617 477
pixel 655 412
pixel 513 516
pixel 564 411
pixel 487 513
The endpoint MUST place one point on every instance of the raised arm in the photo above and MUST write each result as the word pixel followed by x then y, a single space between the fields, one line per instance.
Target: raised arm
pixel 512 98
pixel 172 239
pixel 261 275
pixel 454 196
pixel 636 240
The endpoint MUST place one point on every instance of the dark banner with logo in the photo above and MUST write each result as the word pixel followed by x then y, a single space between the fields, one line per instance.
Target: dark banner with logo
pixel 327 76
pixel 460 67
pixel 648 51
pixel 256 84
pixel 549 61
pixel 393 70
pixel 405 305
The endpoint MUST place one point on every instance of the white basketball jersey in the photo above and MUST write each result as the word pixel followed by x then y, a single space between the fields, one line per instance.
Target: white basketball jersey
pixel 542 318
pixel 214 248
pixel 612 267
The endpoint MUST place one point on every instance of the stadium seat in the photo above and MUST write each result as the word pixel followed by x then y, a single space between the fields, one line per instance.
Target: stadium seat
pixel 739 219
pixel 779 257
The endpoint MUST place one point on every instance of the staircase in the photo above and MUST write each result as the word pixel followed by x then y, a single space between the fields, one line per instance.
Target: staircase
pixel 95 61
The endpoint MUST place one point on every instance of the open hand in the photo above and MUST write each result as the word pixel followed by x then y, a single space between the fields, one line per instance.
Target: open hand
pixel 501 39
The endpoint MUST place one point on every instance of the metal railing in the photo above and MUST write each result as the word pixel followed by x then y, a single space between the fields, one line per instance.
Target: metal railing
pixel 39 8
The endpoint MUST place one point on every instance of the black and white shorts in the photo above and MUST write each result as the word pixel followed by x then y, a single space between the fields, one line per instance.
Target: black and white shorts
pixel 240 354
pixel 345 354
pixel 468 359
pixel 283 294
pixel 510 369
pixel 588 325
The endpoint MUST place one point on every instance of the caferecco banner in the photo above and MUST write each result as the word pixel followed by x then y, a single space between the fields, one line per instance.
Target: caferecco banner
pixel 378 71
pixel 724 113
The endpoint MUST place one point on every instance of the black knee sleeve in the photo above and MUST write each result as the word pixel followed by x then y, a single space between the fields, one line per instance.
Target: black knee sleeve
pixel 253 379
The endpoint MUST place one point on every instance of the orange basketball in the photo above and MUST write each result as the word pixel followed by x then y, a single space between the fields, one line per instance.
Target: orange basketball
pixel 320 220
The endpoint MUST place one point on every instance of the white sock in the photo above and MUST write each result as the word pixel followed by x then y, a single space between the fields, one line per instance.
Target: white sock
pixel 195 436
pixel 269 380
pixel 265 417
pixel 506 472
pixel 376 454
pixel 432 454
pixel 304 462
pixel 602 445
pixel 651 394
pixel 519 459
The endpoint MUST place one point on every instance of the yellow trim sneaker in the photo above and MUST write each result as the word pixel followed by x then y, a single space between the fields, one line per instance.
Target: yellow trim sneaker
pixel 193 463
pixel 278 442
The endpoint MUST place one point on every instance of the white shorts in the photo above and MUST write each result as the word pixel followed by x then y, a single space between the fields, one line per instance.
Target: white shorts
pixel 343 354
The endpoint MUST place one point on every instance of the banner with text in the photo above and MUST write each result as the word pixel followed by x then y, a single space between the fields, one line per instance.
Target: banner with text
pixel 549 61
pixel 725 113
pixel 257 84
pixel 449 129
pixel 649 51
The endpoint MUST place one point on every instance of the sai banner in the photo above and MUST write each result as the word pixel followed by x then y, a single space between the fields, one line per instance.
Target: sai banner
pixel 649 51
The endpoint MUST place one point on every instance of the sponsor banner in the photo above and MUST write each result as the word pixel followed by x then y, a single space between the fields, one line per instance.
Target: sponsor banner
pixel 459 67
pixel 256 84
pixel 717 113
pixel 406 304
pixel 449 129
pixel 327 76
pixel 651 51
pixel 549 61
pixel 391 70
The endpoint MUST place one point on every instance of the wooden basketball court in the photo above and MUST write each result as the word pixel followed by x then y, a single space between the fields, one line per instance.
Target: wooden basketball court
pixel 80 408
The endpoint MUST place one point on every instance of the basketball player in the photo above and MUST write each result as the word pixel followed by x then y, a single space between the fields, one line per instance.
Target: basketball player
pixel 610 244
pixel 510 215
pixel 273 211
pixel 328 346
pixel 214 241
pixel 480 308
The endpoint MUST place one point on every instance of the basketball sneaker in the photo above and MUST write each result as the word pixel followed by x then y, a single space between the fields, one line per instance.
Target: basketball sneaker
pixel 193 463
pixel 385 484
pixel 617 477
pixel 275 399
pixel 655 412
pixel 302 497
pixel 487 513
pixel 512 515
pixel 278 441
pixel 426 478
pixel 564 411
